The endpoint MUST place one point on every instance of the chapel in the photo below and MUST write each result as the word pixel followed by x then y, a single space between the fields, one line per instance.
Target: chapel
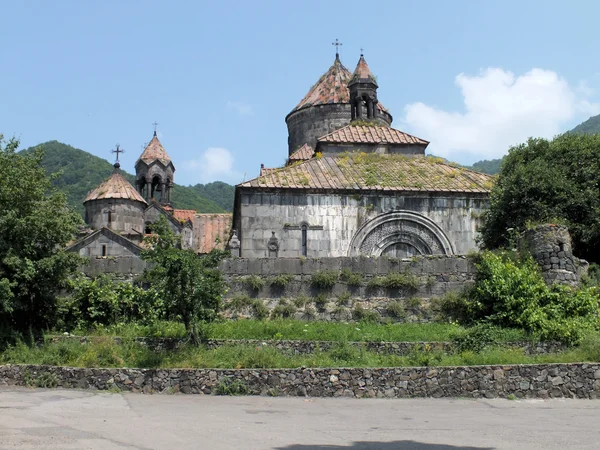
pixel 353 185
pixel 118 214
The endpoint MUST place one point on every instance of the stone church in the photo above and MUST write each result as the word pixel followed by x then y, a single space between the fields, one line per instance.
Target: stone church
pixel 119 215
pixel 353 185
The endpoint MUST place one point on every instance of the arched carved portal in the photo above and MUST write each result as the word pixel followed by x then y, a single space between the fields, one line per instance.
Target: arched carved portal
pixel 400 234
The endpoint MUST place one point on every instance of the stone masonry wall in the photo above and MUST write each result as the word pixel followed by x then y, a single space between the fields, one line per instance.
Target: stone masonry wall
pixel 432 276
pixel 522 381
pixel 551 247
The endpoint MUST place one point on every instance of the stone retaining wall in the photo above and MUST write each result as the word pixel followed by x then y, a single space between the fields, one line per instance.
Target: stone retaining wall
pixel 432 277
pixel 522 381
pixel 298 347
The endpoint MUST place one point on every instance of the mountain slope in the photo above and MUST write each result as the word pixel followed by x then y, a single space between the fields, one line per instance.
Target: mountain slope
pixel 489 166
pixel 590 126
pixel 81 171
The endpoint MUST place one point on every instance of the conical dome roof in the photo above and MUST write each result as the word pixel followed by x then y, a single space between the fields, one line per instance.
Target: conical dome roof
pixel 362 73
pixel 331 87
pixel 154 151
pixel 115 186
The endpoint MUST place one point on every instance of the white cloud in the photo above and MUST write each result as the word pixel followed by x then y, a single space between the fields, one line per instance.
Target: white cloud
pixel 243 109
pixel 215 164
pixel 500 110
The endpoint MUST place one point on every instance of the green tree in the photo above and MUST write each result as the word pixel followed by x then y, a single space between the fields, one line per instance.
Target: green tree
pixel 35 226
pixel 548 181
pixel 191 286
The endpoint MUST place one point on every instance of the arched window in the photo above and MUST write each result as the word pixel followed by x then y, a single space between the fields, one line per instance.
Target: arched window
pixel 304 229
pixel 109 218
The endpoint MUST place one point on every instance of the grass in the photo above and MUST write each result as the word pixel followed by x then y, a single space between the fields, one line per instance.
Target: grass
pixel 104 352
pixel 300 330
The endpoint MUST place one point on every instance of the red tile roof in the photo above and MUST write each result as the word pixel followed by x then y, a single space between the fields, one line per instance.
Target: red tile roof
pixel 371 171
pixel 302 154
pixel 115 186
pixel 211 231
pixel 362 72
pixel 363 134
pixel 184 214
pixel 155 151
pixel 332 87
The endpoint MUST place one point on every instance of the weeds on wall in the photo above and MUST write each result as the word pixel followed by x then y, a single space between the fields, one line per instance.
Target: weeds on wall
pixel 260 311
pixel 283 310
pixel 396 310
pixel 320 302
pixel 325 279
pixel 353 279
pixel 361 314
pixel 281 281
pixel 253 282
pixel 231 386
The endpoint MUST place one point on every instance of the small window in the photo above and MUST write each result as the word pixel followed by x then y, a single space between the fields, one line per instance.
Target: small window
pixel 304 240
pixel 103 250
pixel 109 218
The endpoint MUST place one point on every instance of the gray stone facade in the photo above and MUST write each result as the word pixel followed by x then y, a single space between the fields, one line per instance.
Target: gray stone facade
pixel 521 381
pixel 345 224
pixel 126 216
pixel 308 124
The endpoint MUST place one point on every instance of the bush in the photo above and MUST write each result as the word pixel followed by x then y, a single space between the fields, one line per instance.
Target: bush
pixel 231 386
pixel 343 298
pixel 324 279
pixel 253 282
pixel 281 281
pixel 321 301
pixel 511 293
pixel 396 310
pixel 395 280
pixel 259 310
pixel 301 300
pixel 353 279
pixel 283 310
pixel 238 303
pixel 363 315
pixel 477 338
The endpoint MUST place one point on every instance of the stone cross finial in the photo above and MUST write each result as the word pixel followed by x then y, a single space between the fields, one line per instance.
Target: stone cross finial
pixel 155 124
pixel 337 47
pixel 362 50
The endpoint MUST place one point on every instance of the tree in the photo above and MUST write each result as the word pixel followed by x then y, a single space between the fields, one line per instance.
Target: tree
pixel 35 225
pixel 548 181
pixel 191 286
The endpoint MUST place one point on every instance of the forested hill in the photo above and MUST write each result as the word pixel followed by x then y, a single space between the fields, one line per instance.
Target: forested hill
pixel 590 126
pixel 81 171
pixel 490 166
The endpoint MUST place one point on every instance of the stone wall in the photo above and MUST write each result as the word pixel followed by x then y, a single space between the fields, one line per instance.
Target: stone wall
pixel 426 277
pixel 124 268
pixel 444 223
pixel 308 124
pixel 127 216
pixel 521 381
pixel 551 247
pixel 297 347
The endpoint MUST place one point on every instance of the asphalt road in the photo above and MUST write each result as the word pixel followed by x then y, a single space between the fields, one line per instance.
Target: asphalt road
pixel 68 419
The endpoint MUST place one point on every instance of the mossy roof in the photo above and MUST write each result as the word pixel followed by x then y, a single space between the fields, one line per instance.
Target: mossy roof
pixel 371 171
pixel 116 187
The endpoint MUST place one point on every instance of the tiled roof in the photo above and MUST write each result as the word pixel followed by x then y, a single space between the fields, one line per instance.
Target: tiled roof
pixel 211 231
pixel 362 72
pixel 184 214
pixel 371 171
pixel 115 186
pixel 155 151
pixel 265 170
pixel 302 154
pixel 332 87
pixel 364 134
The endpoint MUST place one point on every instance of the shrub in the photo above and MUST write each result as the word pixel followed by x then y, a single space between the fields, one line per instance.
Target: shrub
pixel 283 310
pixel 511 293
pixel 321 301
pixel 253 282
pixel 309 313
pixel 396 310
pixel 281 281
pixel 353 279
pixel 324 279
pixel 396 280
pixel 363 315
pixel 413 302
pixel 239 302
pixel 343 298
pixel 259 310
pixel 231 386
pixel 301 300
pixel 477 338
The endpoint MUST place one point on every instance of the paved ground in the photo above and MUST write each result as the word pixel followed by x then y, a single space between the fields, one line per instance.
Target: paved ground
pixel 67 419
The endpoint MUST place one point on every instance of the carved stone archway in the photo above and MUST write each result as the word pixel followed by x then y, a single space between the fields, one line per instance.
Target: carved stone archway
pixel 405 229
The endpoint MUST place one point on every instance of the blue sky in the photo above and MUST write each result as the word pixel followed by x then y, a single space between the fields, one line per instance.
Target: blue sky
pixel 472 77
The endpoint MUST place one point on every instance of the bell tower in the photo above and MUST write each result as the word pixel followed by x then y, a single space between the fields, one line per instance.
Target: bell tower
pixel 154 173
pixel 363 92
